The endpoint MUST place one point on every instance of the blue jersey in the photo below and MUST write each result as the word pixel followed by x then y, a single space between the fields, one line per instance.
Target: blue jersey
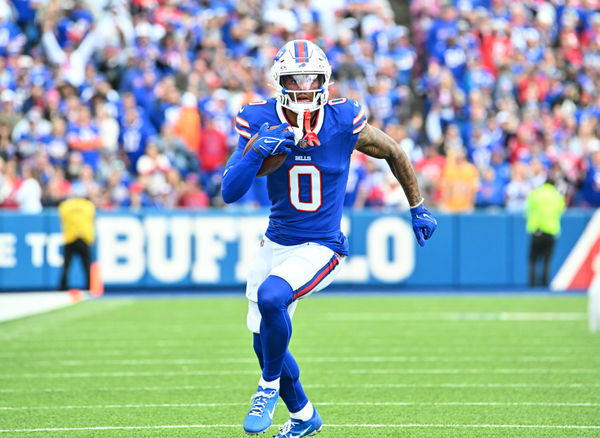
pixel 307 191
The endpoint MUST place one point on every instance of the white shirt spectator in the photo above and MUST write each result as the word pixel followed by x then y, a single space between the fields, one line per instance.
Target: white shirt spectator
pixel 29 196
pixel 155 166
pixel 72 65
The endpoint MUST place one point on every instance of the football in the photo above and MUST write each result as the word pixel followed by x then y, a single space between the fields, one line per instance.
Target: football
pixel 270 163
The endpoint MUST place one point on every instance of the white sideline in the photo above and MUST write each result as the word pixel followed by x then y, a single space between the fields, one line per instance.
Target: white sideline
pixel 380 426
pixel 18 305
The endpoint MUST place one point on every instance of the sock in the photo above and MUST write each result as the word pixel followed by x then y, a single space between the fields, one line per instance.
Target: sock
pixel 273 384
pixel 290 388
pixel 303 414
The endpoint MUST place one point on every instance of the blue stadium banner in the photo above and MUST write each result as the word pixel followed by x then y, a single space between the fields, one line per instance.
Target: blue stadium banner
pixel 156 249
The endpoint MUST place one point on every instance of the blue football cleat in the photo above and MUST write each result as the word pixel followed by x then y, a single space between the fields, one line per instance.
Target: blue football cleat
pixel 298 428
pixel 260 416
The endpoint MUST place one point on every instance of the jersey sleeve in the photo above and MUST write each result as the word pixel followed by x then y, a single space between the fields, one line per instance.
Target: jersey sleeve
pixel 242 125
pixel 241 169
pixel 359 117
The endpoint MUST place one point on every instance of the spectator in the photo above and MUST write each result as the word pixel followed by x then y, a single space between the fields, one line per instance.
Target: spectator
pixel 154 165
pixel 192 194
pixel 212 155
pixel 187 123
pixel 138 197
pixel 29 194
pixel 84 136
pixel 10 184
pixel 518 188
pixel 85 186
pixel 9 114
pixel 460 183
pixel 491 190
pixel 134 136
pixel 57 189
pixel 108 127
pixel 55 143
pixel 429 172
pixel 591 183
pixel 73 56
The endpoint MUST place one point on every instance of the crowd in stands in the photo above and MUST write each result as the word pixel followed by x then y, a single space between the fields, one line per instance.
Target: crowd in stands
pixel 130 103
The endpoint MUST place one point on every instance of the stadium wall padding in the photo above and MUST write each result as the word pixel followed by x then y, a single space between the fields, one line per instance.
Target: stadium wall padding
pixel 170 250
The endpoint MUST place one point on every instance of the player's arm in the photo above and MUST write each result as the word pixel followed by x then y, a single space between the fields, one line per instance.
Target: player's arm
pixel 238 175
pixel 378 144
pixel 241 169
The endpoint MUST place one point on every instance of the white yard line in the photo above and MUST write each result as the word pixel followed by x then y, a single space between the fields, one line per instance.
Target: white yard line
pixel 455 316
pixel 251 360
pixel 99 352
pixel 477 371
pixel 458 371
pixel 367 404
pixel 345 426
pixel 311 386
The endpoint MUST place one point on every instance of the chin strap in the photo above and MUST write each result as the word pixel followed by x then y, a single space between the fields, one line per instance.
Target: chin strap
pixel 310 137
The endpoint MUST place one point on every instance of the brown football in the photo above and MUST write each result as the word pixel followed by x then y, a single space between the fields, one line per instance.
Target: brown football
pixel 271 163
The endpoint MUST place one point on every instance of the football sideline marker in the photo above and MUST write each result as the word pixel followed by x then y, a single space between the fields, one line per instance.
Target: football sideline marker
pixel 378 426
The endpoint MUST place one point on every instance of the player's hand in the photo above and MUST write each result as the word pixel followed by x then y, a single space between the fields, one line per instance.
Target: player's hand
pixel 423 223
pixel 278 140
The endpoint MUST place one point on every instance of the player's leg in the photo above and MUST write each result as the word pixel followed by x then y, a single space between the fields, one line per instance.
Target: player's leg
pixel 291 390
pixel 274 297
pixel 303 416
pixel 287 384
pixel 263 402
pixel 311 268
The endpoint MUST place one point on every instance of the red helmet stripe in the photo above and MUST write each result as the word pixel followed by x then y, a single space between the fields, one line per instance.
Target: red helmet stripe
pixel 301 49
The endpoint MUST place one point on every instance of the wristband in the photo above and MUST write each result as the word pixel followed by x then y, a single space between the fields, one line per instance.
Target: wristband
pixel 418 203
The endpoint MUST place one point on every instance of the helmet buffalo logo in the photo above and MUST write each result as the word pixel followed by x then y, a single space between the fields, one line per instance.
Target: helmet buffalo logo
pixel 279 54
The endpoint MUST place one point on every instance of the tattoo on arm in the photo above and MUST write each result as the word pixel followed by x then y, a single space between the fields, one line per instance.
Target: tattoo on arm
pixel 378 144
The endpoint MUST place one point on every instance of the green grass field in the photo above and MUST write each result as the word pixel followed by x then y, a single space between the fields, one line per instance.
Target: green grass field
pixel 375 366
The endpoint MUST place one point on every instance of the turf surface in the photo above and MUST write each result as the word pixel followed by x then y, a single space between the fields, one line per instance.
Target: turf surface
pixel 375 366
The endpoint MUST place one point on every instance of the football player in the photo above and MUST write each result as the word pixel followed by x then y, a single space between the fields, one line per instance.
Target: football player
pixel 303 246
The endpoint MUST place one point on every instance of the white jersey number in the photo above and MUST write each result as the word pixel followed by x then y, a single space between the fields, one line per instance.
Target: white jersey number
pixel 316 194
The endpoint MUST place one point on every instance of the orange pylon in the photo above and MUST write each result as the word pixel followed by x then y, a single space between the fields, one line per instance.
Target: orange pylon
pixel 96 283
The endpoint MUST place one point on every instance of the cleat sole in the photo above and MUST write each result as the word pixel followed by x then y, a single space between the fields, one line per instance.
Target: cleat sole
pixel 316 431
